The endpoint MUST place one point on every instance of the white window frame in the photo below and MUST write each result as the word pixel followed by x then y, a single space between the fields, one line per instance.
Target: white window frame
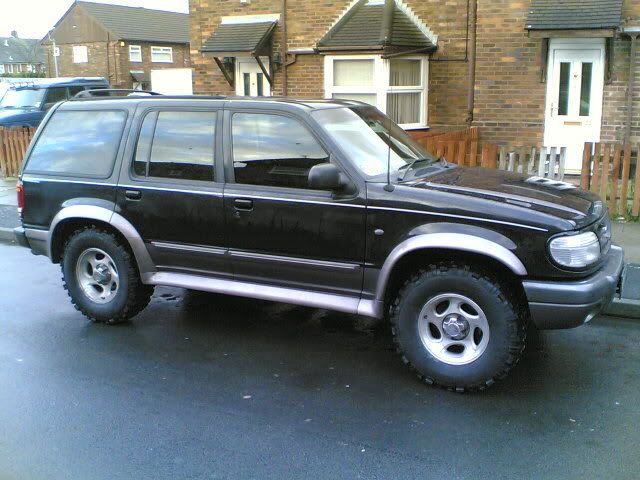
pixel 10 68
pixel 80 54
pixel 135 53
pixel 381 86
pixel 161 50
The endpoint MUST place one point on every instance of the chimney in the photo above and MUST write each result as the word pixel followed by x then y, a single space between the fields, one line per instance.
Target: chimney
pixel 14 34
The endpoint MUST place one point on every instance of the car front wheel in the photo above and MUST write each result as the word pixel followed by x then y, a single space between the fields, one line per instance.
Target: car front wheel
pixel 458 328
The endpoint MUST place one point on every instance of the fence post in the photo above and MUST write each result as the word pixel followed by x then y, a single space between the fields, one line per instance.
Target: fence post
pixel 531 165
pixel 636 194
pixel 563 158
pixel 542 164
pixel 614 178
pixel 489 155
pixel 604 176
pixel 595 177
pixel 585 173
pixel 552 163
pixel 626 168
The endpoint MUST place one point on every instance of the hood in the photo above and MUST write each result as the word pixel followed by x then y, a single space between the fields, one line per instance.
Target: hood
pixel 9 116
pixel 553 197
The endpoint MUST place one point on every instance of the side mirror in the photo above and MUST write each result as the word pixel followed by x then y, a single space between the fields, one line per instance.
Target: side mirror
pixel 325 176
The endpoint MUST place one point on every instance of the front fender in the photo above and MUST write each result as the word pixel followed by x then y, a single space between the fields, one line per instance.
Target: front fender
pixel 465 242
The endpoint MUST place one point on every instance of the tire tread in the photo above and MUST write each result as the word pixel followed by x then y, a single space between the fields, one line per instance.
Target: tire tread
pixel 504 295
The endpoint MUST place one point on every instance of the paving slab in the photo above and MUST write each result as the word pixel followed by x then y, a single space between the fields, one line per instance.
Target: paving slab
pixel 8 192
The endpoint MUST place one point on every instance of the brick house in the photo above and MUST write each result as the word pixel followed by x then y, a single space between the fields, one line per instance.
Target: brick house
pixel 20 55
pixel 122 44
pixel 527 72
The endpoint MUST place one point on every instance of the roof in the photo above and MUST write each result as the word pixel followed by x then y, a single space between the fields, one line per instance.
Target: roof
pixel 240 37
pixel 142 24
pixel 62 82
pixel 21 50
pixel 573 14
pixel 302 103
pixel 378 24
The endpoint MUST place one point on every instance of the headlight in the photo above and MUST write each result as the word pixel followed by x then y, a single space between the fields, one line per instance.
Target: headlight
pixel 575 251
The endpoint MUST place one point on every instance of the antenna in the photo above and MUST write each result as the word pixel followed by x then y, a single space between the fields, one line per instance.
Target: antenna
pixel 389 187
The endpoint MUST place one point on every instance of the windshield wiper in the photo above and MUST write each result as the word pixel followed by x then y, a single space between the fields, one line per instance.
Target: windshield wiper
pixel 409 166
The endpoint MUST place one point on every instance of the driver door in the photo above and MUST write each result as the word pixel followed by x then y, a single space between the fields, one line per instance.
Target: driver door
pixel 280 231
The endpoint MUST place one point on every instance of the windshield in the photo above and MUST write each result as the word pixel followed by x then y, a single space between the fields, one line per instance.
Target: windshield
pixel 365 135
pixel 28 98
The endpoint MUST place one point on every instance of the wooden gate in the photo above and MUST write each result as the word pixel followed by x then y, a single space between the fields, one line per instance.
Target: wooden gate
pixel 611 170
pixel 13 145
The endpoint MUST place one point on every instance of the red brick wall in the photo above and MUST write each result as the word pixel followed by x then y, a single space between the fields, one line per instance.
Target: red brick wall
pixel 509 96
pixel 115 65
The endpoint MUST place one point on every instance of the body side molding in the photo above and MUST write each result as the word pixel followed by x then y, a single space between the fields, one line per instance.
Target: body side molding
pixel 94 212
pixel 297 296
pixel 451 241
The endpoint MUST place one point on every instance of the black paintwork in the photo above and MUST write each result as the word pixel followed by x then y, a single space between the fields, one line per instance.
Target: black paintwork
pixel 303 237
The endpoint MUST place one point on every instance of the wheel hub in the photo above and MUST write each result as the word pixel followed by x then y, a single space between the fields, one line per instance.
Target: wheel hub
pixel 102 274
pixel 455 326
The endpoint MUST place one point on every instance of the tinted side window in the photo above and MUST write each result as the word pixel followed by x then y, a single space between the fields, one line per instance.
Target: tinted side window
pixel 176 145
pixel 56 94
pixel 81 143
pixel 74 90
pixel 143 149
pixel 273 150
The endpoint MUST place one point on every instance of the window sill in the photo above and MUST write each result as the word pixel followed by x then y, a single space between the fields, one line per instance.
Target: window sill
pixel 161 61
pixel 414 126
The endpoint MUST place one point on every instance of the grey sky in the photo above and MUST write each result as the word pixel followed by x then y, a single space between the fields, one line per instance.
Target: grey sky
pixel 34 18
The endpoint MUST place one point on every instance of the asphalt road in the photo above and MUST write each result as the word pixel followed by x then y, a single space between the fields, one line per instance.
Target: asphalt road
pixel 204 386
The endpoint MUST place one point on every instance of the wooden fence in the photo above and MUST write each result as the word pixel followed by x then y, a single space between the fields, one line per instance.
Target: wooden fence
pixel 13 145
pixel 459 147
pixel 462 147
pixel 611 170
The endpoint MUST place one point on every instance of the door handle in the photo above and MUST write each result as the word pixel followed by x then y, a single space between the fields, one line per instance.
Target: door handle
pixel 133 194
pixel 243 204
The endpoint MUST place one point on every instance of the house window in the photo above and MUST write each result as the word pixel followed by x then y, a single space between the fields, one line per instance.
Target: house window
pixel 10 68
pixel 135 53
pixel 80 54
pixel 161 54
pixel 396 86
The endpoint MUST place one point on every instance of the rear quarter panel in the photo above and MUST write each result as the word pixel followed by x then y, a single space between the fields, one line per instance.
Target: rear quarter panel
pixel 47 194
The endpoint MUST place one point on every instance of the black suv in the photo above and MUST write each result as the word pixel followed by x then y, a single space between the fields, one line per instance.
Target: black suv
pixel 320 203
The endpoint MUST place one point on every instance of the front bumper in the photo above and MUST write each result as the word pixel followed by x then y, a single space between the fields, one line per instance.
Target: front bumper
pixel 570 304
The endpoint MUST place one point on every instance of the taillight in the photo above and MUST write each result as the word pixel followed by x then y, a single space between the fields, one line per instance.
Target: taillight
pixel 20 192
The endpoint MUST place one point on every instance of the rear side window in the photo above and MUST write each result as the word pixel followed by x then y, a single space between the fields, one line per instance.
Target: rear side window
pixel 56 94
pixel 176 145
pixel 82 143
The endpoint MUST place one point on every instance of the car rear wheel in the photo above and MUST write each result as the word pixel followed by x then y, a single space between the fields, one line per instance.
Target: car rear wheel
pixel 101 277
pixel 458 328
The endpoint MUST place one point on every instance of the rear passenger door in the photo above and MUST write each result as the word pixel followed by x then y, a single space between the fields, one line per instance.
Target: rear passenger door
pixel 171 192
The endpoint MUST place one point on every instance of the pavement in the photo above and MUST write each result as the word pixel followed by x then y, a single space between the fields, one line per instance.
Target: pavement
pixel 204 386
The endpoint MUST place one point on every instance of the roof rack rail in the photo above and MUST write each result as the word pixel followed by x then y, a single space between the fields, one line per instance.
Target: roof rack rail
pixel 112 92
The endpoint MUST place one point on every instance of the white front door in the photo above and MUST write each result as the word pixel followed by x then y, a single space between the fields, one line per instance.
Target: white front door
pixel 250 80
pixel 574 96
